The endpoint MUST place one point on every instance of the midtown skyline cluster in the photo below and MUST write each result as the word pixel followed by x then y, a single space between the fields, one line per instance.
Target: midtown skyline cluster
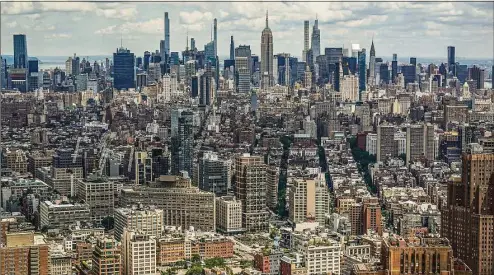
pixel 408 29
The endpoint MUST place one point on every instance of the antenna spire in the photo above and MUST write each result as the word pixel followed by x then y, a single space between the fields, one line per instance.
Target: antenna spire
pixel 266 18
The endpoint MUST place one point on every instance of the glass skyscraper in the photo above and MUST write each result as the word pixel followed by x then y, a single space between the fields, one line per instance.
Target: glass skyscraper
pixel 362 72
pixel 182 122
pixel 451 60
pixel 20 51
pixel 123 69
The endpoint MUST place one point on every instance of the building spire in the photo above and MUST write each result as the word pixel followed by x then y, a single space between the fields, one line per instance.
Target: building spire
pixel 187 40
pixel 266 19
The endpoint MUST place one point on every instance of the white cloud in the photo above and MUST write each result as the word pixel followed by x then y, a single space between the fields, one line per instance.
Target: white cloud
pixel 12 24
pixel 153 26
pixel 195 17
pixel 58 35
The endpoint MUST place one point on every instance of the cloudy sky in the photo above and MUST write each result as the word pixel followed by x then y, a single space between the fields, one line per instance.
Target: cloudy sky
pixel 408 29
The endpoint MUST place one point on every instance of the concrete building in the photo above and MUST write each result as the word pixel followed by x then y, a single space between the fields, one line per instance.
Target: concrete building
pixel 25 253
pixel 106 257
pixel 349 88
pixel 60 263
pixel 62 215
pixel 99 195
pixel 420 142
pixel 250 189
pixel 146 221
pixel 386 144
pixel 16 160
pixel 138 254
pixel 371 143
pixel 212 174
pixel 308 200
pixel 182 204
pixel 417 256
pixel 228 215
pixel 467 219
pixel 320 255
pixel 273 178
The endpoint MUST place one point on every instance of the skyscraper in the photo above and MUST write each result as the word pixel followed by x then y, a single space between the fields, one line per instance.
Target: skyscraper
pixel 467 219
pixel 316 41
pixel 215 38
pixel 20 51
pixel 306 40
pixel 123 69
pixel 362 72
pixel 394 68
pixel 232 48
pixel 167 34
pixel 372 65
pixel 193 44
pixel 182 141
pixel 250 189
pixel 267 55
pixel 451 60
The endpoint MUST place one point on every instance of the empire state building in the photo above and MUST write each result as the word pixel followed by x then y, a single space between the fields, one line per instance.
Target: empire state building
pixel 267 56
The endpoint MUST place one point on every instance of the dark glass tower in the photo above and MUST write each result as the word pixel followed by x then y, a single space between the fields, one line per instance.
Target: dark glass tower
pixel 409 72
pixel 20 51
pixel 232 49
pixel 182 141
pixel 413 61
pixel 394 68
pixel 362 72
pixel 451 60
pixel 123 69
pixel 384 73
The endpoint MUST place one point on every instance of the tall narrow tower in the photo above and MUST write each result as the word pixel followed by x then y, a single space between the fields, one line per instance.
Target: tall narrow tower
pixel 167 34
pixel 215 38
pixel 232 49
pixel 306 40
pixel 316 41
pixel 267 56
pixel 372 65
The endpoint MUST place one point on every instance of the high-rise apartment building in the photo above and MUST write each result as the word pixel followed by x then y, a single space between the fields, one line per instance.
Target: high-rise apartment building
pixel 267 55
pixel 250 189
pixel 106 257
pixel 308 200
pixel 306 40
pixel 123 69
pixel 420 142
pixel 147 221
pixel 243 71
pixel 24 254
pixel 167 34
pixel 212 174
pixel 138 253
pixel 273 178
pixel 386 144
pixel 467 220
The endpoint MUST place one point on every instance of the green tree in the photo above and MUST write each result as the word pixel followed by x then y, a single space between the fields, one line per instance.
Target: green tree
pixel 196 258
pixel 194 270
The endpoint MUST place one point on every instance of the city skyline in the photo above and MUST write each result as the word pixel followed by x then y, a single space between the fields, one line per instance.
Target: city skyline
pixel 98 28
